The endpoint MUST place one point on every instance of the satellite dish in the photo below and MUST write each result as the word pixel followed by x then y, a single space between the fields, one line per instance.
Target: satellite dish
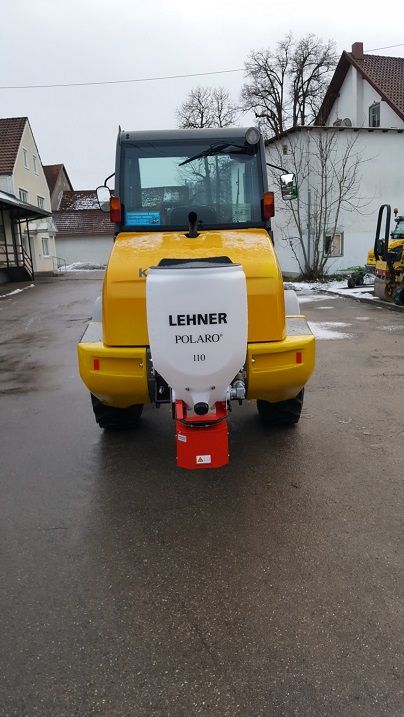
pixel 347 122
pixel 337 123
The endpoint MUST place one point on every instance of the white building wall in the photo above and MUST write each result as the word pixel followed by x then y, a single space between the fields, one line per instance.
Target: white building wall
pixel 355 97
pixel 7 227
pixel 43 263
pixel 34 182
pixel 43 247
pixel 381 182
pixel 61 185
pixel 6 183
pixel 94 249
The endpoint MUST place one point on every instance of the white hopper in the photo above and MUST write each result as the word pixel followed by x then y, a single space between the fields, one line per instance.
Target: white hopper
pixel 197 323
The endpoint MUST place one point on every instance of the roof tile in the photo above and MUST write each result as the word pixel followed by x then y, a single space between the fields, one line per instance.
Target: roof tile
pixel 387 73
pixel 79 200
pixel 78 223
pixel 11 129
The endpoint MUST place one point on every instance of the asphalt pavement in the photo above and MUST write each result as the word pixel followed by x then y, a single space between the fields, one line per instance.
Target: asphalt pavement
pixel 131 588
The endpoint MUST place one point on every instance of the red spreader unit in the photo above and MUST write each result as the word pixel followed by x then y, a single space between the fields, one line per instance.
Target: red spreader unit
pixel 202 441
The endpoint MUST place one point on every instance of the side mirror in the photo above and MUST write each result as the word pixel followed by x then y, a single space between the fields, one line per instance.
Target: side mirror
pixel 103 197
pixel 288 186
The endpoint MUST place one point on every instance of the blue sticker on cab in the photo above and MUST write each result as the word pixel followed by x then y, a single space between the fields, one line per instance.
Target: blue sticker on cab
pixel 142 218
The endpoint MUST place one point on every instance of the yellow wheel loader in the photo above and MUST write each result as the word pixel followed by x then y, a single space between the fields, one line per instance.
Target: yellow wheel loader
pixel 388 257
pixel 193 311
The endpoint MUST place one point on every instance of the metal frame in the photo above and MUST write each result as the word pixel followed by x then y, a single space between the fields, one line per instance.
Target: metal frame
pixel 5 238
pixel 14 254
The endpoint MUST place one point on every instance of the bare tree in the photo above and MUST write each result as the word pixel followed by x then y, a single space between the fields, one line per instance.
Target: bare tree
pixel 312 64
pixel 265 93
pixel 328 171
pixel 286 86
pixel 207 107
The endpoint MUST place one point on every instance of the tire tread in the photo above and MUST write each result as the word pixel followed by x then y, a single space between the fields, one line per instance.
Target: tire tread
pixel 112 417
pixel 284 412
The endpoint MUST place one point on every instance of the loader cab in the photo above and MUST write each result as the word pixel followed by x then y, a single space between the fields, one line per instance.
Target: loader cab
pixel 398 231
pixel 190 180
pixel 396 245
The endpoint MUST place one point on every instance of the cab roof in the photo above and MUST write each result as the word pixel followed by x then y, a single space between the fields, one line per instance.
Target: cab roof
pixel 175 135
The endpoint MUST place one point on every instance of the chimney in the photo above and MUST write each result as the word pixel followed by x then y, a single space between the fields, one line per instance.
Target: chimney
pixel 357 51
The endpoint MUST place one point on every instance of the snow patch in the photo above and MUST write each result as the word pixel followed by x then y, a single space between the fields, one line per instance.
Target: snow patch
pixel 84 266
pixel 17 291
pixel 309 298
pixel 85 203
pixel 391 328
pixel 335 287
pixel 305 285
pixel 328 330
pixel 359 291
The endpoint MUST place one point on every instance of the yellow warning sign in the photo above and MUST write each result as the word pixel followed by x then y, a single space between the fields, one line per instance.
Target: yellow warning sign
pixel 203 459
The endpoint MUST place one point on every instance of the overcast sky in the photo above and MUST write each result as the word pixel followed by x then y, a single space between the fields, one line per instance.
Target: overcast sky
pixel 62 41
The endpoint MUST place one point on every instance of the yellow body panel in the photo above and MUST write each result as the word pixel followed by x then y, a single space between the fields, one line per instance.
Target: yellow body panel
pixel 371 259
pixel 112 355
pixel 273 373
pixel 124 294
pixel 121 377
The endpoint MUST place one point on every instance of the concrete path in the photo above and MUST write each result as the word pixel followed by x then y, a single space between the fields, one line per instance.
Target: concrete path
pixel 130 588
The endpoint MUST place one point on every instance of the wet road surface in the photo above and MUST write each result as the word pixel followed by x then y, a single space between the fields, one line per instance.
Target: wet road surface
pixel 130 587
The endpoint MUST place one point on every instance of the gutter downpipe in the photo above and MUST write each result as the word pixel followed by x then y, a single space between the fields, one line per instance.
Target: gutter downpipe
pixel 308 203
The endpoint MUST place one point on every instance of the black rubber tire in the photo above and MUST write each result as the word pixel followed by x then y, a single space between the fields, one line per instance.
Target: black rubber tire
pixel 398 296
pixel 283 413
pixel 118 418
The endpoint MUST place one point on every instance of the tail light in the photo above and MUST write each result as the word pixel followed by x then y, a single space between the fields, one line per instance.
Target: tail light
pixel 115 209
pixel 268 205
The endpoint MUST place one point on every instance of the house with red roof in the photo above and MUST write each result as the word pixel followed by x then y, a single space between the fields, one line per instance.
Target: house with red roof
pixel 363 111
pixel 27 233
pixel 84 233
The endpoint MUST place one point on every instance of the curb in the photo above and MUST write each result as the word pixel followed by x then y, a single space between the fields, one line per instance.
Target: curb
pixel 365 300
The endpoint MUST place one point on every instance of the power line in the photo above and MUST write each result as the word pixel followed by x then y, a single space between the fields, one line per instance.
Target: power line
pixel 120 82
pixel 388 47
pixel 148 79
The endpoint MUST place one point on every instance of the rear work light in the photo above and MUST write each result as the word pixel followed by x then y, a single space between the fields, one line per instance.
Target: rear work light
pixel 115 209
pixel 268 205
